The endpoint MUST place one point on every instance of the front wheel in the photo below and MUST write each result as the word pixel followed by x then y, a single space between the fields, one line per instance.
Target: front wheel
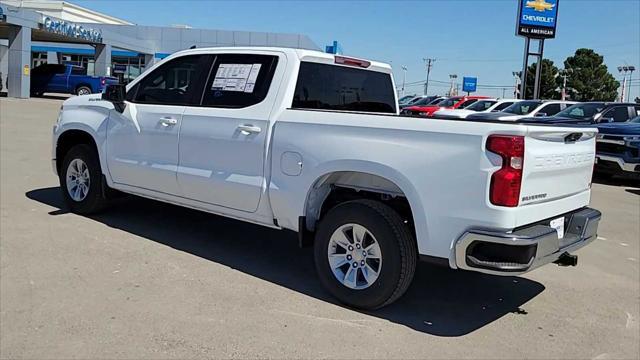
pixel 365 254
pixel 81 180
pixel 83 90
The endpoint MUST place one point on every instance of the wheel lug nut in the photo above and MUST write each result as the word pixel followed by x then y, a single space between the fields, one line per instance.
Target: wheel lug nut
pixel 364 253
pixel 349 257
pixel 358 246
pixel 350 248
pixel 355 264
pixel 362 263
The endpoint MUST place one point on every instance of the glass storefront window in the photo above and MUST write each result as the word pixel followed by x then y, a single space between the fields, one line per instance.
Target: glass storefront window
pixel 127 68
pixel 38 58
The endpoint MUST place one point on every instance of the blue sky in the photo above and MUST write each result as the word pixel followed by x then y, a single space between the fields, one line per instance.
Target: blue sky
pixel 467 37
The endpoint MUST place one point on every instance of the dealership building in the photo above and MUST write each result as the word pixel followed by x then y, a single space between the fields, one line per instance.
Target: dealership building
pixel 35 32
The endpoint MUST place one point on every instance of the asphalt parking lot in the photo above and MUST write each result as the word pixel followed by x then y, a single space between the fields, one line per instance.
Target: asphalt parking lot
pixel 150 280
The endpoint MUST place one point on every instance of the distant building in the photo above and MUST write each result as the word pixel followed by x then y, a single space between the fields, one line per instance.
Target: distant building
pixel 55 31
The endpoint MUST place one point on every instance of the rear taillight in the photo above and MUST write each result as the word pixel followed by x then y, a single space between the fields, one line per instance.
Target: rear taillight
pixel 352 62
pixel 506 182
pixel 103 81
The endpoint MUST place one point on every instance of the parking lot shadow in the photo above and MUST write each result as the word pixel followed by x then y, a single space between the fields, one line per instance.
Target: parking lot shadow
pixel 440 302
pixel 630 181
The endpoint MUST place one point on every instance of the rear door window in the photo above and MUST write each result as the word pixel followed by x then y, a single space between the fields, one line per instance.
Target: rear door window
pixel 334 87
pixel 550 110
pixel 59 69
pixel 618 114
pixel 502 106
pixel 467 103
pixel 239 80
pixel 78 71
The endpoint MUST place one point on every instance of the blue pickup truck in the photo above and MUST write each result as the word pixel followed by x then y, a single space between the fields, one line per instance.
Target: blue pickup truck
pixel 68 79
pixel 618 148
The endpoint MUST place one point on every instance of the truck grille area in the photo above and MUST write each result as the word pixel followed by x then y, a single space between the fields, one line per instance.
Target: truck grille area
pixel 610 148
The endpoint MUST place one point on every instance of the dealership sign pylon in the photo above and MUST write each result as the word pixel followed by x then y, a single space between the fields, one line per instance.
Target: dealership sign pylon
pixel 537 20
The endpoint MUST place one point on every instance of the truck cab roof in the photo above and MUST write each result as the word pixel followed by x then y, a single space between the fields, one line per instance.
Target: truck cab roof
pixel 299 54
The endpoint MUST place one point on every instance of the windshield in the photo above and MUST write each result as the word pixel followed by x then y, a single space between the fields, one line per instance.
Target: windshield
pixel 423 101
pixel 415 100
pixel 436 101
pixel 449 102
pixel 522 107
pixel 581 111
pixel 481 105
pixel 406 99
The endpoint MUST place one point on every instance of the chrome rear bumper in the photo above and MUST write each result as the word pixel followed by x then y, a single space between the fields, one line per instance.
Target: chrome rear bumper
pixel 524 249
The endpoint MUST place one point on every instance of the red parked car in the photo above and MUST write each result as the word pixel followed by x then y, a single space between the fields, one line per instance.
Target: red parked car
pixel 455 102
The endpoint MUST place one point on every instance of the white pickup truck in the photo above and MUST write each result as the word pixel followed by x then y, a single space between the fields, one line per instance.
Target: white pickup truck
pixel 312 142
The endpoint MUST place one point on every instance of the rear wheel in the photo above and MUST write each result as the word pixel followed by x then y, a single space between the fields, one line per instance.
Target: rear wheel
pixel 81 180
pixel 83 90
pixel 365 255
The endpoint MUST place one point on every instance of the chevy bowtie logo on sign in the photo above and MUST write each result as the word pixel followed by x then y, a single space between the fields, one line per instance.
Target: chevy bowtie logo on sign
pixel 537 18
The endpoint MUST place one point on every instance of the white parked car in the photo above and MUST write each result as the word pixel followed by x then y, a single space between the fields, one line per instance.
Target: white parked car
pixel 480 106
pixel 525 109
pixel 312 142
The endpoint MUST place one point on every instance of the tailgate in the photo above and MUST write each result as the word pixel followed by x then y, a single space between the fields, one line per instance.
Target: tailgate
pixel 558 163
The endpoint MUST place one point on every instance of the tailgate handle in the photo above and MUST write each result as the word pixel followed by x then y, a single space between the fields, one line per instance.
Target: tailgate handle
pixel 573 137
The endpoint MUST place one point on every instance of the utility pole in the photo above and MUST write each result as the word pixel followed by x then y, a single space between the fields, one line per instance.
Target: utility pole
pixel 429 62
pixel 404 77
pixel 564 73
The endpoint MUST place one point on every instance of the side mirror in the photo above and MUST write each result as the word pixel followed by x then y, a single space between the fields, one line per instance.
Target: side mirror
pixel 115 94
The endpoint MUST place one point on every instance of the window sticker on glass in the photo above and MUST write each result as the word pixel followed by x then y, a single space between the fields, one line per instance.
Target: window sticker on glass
pixel 253 76
pixel 236 77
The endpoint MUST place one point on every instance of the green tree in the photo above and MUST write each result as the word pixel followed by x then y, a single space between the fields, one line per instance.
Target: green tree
pixel 548 80
pixel 588 77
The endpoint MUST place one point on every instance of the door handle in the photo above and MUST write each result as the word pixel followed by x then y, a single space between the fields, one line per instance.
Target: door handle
pixel 168 121
pixel 248 129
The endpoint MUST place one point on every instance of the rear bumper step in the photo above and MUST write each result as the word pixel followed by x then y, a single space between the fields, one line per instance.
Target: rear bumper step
pixel 520 251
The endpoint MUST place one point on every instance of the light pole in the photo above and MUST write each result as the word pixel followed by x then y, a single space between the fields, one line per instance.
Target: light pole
pixel 404 78
pixel 624 70
pixel 429 62
pixel 516 75
pixel 631 70
pixel 452 90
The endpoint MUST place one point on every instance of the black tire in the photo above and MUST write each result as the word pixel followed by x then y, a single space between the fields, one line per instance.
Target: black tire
pixel 397 244
pixel 94 200
pixel 83 90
